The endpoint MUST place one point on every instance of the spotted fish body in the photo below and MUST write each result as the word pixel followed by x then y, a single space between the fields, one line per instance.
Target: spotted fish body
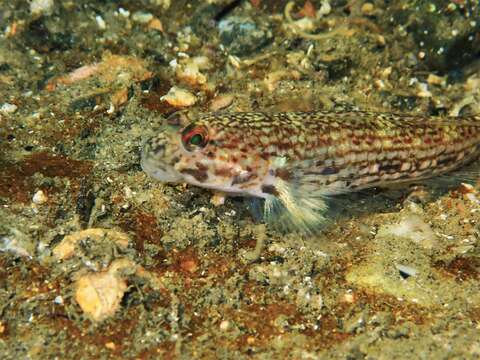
pixel 295 160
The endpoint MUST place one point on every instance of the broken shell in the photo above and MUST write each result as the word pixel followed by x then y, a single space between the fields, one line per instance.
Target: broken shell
pixel 39 198
pixel 221 102
pixel 190 74
pixel 179 97
pixel 99 294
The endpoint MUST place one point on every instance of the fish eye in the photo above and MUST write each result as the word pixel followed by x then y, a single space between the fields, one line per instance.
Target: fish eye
pixel 194 137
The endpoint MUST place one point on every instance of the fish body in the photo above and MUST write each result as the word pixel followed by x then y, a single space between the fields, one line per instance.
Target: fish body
pixel 294 160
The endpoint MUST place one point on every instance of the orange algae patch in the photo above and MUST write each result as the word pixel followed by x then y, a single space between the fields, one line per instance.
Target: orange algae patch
pixel 15 177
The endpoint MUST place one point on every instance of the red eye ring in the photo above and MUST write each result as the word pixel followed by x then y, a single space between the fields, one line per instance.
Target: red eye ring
pixel 194 137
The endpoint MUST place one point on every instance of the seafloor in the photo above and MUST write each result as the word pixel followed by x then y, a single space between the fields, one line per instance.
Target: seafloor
pixel 99 261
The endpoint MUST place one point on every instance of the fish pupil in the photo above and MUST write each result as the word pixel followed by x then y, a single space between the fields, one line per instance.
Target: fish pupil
pixel 196 139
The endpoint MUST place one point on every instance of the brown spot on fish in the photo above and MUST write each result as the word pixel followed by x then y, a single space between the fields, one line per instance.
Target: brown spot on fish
pixel 329 170
pixel 269 189
pixel 199 175
pixel 389 168
pixel 201 167
pixel 223 172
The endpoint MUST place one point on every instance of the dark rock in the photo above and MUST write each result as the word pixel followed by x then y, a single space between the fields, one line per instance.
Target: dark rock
pixel 85 202
pixel 4 67
pixel 85 103
pixel 336 69
pixel 39 37
pixel 243 36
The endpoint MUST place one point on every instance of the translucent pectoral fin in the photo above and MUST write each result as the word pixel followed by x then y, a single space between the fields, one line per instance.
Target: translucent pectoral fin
pixel 295 209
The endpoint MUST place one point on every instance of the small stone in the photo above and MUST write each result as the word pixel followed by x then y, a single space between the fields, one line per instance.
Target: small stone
pixel 381 40
pixel 123 12
pixel 189 73
pixel 110 345
pixel 385 74
pixel 179 97
pixel 367 9
pixel 14 246
pixel 349 298
pixel 38 7
pixel 218 199
pixel 221 101
pixel 224 325
pixel 39 198
pixel 142 17
pixel 435 79
pixel 165 4
pixel 155 24
pixel 244 36
pixel 423 91
pixel 8 108
pixel 325 8
pixel 100 22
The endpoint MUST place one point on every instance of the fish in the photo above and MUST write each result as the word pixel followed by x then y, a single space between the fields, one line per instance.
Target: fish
pixel 296 161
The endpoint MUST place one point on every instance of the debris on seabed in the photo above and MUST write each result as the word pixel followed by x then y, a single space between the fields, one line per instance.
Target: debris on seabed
pixel 66 248
pixel 179 97
pixel 411 227
pixel 99 294
pixel 39 198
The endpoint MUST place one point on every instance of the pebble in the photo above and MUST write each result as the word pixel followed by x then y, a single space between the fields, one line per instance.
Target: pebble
pixel 142 17
pixel 38 7
pixel 165 4
pixel 436 80
pixel 110 345
pixel 156 24
pixel 179 97
pixel 39 198
pixel 8 108
pixel 13 246
pixel 100 22
pixel 367 8
pixel 406 270
pixel 221 101
pixel 224 325
pixel 243 36
pixel 189 73
pixel 423 91
pixel 325 8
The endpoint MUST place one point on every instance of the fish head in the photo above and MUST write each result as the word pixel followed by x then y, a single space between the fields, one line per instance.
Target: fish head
pixel 210 151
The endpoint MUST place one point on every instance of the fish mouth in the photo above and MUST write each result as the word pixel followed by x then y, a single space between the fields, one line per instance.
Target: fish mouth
pixel 158 169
